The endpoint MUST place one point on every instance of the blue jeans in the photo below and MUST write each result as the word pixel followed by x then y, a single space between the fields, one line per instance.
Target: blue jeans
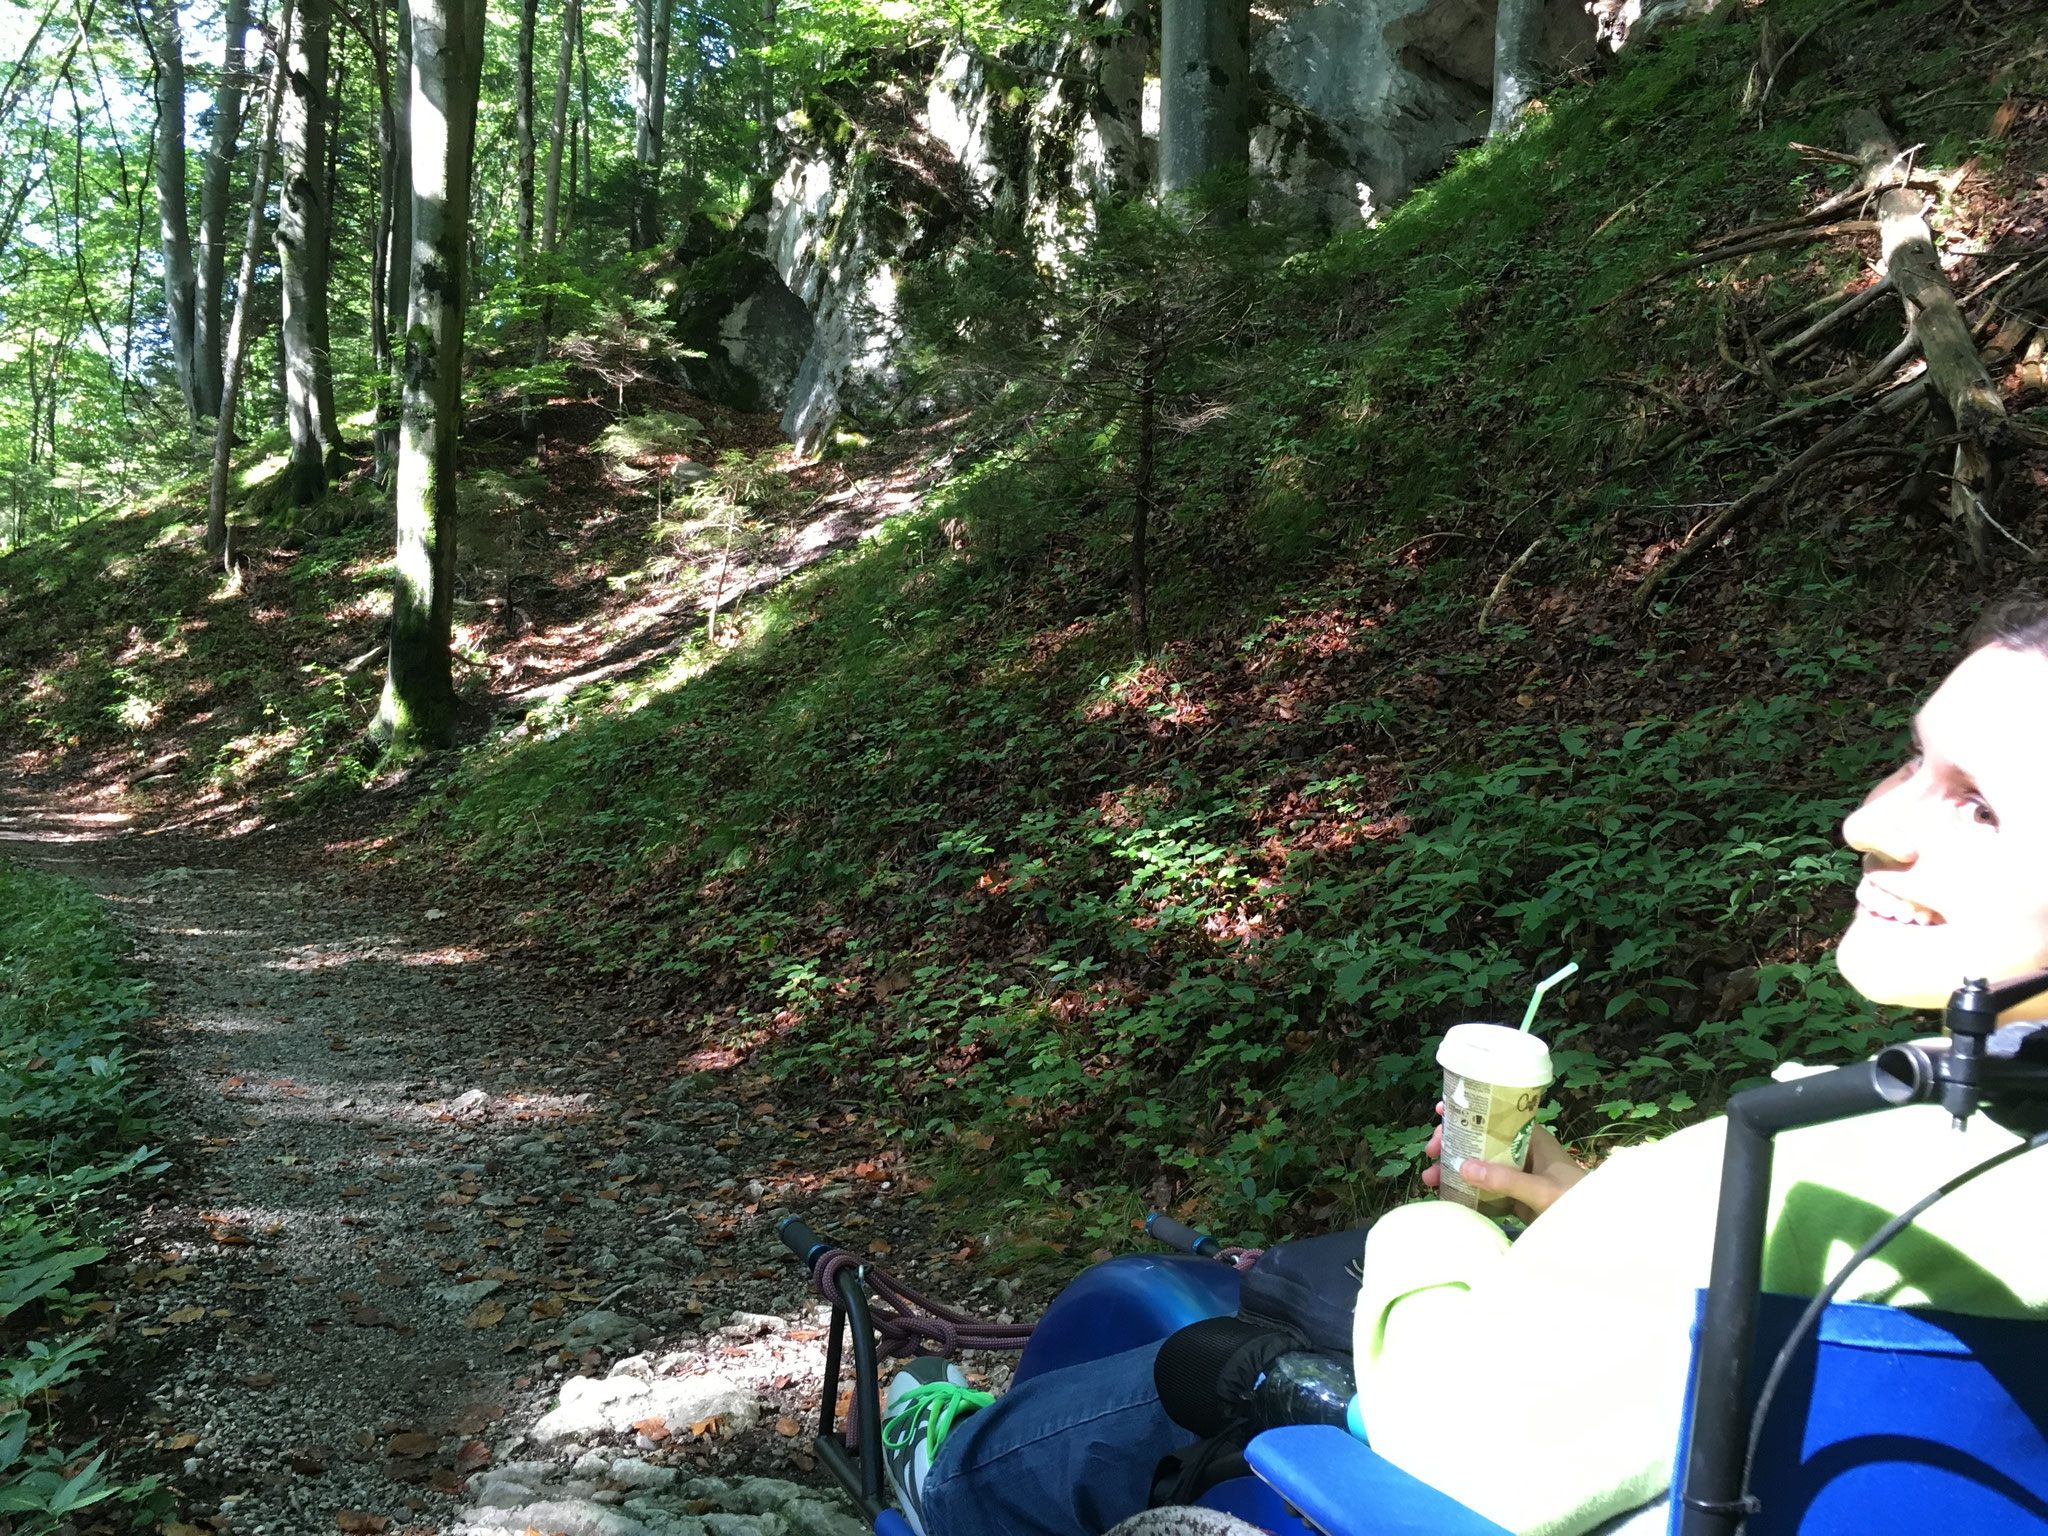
pixel 1069 1453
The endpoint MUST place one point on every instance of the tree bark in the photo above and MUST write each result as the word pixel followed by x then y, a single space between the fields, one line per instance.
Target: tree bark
pixel 213 215
pixel 1954 368
pixel 174 217
pixel 522 113
pixel 302 247
pixel 1143 490
pixel 1205 89
pixel 399 276
pixel 764 108
pixel 418 709
pixel 1517 37
pixel 558 126
pixel 237 354
pixel 652 20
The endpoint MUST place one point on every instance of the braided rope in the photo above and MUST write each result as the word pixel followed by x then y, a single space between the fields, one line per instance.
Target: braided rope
pixel 908 1322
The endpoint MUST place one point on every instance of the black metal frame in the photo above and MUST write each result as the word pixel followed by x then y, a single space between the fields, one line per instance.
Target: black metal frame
pixel 863 1478
pixel 1962 1074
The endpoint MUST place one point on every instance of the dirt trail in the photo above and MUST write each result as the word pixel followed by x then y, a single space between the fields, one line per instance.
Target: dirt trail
pixel 414 1197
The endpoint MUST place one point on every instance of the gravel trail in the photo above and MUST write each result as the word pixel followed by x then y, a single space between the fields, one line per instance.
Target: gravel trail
pixel 441 1248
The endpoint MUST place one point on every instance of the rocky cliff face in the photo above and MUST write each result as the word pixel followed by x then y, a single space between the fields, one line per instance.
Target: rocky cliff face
pixel 1357 101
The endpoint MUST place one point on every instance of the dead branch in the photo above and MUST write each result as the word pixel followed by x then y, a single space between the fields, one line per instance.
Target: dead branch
pixel 1749 248
pixel 1841 314
pixel 1954 367
pixel 1735 511
pixel 1514 569
pixel 1885 367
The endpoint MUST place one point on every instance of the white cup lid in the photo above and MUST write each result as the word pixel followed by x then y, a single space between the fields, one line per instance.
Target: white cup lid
pixel 1494 1053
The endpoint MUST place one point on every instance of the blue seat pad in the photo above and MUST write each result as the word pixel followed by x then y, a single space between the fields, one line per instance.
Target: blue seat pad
pixel 1344 1488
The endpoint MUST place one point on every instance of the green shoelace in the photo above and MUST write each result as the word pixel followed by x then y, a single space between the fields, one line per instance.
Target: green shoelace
pixel 948 1400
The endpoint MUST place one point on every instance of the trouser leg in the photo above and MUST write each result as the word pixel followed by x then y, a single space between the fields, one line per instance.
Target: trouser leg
pixel 1069 1453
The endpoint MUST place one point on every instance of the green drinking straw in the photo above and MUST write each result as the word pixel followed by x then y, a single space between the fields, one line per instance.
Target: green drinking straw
pixel 1536 999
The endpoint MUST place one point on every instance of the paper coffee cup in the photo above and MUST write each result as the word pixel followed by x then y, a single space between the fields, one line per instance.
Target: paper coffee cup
pixel 1494 1079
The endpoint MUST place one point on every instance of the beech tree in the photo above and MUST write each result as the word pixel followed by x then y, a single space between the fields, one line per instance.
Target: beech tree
pixel 1517 33
pixel 653 21
pixel 1204 89
pixel 303 234
pixel 418 709
pixel 237 353
pixel 174 219
pixel 214 191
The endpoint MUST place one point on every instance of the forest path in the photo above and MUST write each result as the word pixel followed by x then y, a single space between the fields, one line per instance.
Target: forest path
pixel 415 1193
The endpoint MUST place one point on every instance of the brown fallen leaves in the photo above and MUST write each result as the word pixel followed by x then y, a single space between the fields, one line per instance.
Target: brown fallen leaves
pixel 412 1444
pixel 489 1315
pixel 356 1520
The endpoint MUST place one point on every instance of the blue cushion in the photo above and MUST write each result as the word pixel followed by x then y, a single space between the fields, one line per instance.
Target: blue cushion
pixel 1900 1423
pixel 1344 1488
pixel 1126 1303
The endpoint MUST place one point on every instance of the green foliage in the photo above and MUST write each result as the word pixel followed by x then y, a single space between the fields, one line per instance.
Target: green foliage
pixel 1193 926
pixel 70 1113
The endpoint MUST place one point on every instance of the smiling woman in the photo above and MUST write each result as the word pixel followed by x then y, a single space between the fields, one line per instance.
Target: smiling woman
pixel 1955 843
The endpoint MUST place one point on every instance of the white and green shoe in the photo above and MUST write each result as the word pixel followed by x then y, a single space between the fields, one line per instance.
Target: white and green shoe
pixel 926 1399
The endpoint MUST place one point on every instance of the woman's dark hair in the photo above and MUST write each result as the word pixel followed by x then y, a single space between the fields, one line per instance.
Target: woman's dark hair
pixel 2016 623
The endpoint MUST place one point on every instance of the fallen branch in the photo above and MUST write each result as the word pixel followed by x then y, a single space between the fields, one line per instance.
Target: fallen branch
pixel 1506 576
pixel 1885 367
pixel 1954 368
pixel 1839 315
pixel 1750 248
pixel 1735 511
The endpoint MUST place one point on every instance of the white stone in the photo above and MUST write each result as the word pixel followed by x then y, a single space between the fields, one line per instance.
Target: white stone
pixel 593 1405
pixel 568 1517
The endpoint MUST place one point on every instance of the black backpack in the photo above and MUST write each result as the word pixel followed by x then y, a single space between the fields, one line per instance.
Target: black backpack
pixel 1298 1296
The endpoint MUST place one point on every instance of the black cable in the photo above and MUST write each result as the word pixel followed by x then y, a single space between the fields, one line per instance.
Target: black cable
pixel 1814 1308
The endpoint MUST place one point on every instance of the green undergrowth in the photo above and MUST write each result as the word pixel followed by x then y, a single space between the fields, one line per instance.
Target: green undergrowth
pixel 71 1117
pixel 1098 935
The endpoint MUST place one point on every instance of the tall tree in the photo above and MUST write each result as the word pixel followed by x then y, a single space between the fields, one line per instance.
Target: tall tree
pixel 174 216
pixel 764 108
pixel 447 66
pixel 522 111
pixel 558 126
pixel 302 251
pixel 237 354
pixel 652 23
pixel 213 214
pixel 1517 33
pixel 1204 88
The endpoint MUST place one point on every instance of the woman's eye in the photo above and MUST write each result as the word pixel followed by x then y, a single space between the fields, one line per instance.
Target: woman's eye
pixel 1982 814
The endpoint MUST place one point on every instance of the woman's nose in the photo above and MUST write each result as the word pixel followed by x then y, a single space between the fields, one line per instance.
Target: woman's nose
pixel 1886 823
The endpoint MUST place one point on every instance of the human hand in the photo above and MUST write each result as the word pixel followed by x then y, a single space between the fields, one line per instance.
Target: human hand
pixel 1533 1189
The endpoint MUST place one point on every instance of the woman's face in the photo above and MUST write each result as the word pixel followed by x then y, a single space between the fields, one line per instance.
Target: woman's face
pixel 1955 843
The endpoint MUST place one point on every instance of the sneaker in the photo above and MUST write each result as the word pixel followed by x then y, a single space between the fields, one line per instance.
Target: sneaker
pixel 924 1402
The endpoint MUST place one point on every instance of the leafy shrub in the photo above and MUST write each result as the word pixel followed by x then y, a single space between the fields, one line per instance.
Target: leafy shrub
pixel 70 1113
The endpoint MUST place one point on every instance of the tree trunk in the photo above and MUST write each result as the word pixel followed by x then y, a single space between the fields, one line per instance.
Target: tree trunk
pixel 579 179
pixel 558 127
pixel 174 218
pixel 245 285
pixel 397 243
pixel 652 20
pixel 1143 491
pixel 1205 89
pixel 1954 368
pixel 522 112
pixel 399 277
pixel 302 246
pixel 765 108
pixel 419 690
pixel 213 215
pixel 1517 37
